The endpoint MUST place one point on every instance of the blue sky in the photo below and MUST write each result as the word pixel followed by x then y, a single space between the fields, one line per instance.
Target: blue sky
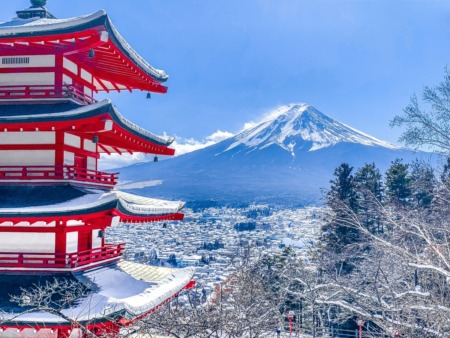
pixel 232 61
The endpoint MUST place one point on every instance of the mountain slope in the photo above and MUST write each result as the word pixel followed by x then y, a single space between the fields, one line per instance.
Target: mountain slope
pixel 289 158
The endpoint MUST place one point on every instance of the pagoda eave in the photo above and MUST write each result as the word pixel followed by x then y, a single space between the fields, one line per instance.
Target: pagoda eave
pixel 91 208
pixel 25 223
pixel 99 121
pixel 91 42
pixel 129 218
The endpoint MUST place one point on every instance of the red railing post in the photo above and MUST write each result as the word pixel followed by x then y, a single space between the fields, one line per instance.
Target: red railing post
pixel 24 173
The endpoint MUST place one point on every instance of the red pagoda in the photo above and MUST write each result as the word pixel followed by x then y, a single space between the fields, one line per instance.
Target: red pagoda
pixel 55 205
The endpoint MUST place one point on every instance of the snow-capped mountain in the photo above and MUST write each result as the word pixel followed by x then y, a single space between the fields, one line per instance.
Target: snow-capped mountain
pixel 300 126
pixel 288 157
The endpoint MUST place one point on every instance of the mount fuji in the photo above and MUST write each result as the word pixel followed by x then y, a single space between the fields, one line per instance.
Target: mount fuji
pixel 289 157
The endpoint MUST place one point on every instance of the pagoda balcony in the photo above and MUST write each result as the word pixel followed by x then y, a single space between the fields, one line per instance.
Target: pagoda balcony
pixel 45 92
pixel 77 261
pixel 57 174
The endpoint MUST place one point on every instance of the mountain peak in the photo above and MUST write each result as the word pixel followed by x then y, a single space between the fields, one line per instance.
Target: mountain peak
pixel 301 127
pixel 290 110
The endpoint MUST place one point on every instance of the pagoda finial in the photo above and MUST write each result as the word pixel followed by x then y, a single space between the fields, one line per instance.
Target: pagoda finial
pixel 37 10
pixel 38 3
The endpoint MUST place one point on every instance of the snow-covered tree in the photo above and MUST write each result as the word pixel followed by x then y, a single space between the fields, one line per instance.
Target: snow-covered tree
pixel 428 128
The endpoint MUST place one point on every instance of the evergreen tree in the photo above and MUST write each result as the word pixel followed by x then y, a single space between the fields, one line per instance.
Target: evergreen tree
pixel 445 175
pixel 369 178
pixel 342 190
pixel 423 183
pixel 342 199
pixel 172 260
pixel 204 260
pixel 368 182
pixel 441 196
pixel 398 183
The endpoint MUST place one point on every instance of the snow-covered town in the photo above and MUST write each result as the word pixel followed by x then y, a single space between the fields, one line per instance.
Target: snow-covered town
pixel 211 239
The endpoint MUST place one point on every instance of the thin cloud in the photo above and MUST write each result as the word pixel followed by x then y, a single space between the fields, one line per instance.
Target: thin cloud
pixel 181 145
pixel 184 146
pixel 249 125
pixel 117 161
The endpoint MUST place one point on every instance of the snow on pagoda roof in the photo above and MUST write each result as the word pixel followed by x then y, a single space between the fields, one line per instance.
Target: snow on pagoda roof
pixel 20 113
pixel 127 289
pixel 92 202
pixel 155 284
pixel 42 26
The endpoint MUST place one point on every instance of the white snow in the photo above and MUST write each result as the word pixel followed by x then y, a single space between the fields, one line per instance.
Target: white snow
pixel 152 297
pixel 139 185
pixel 145 205
pixel 302 125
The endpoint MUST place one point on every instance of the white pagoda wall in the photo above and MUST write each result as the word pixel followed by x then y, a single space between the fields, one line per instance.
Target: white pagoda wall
pixel 22 77
pixel 89 145
pixel 96 241
pixel 72 140
pixel 31 61
pixel 92 163
pixel 72 242
pixel 69 158
pixel 27 137
pixel 27 158
pixel 75 74
pixel 27 242
pixel 75 141
pixel 29 154
pixel 32 79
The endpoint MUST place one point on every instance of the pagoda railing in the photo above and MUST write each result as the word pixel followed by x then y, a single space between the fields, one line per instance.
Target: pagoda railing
pixel 45 92
pixel 50 173
pixel 35 260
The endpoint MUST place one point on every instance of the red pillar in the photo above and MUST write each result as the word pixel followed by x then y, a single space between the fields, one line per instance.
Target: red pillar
pixel 60 239
pixel 58 74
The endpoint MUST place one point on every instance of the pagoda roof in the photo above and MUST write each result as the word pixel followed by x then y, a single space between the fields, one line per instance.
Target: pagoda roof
pixel 121 290
pixel 115 61
pixel 28 196
pixel 120 136
pixel 18 109
pixel 128 206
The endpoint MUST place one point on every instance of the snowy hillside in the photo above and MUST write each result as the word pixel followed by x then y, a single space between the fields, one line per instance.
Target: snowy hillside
pixel 288 158
pixel 302 126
